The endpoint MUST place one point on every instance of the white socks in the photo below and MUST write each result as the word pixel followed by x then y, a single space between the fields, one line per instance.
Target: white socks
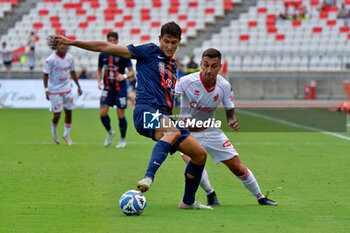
pixel 53 128
pixel 67 128
pixel 250 183
pixel 205 183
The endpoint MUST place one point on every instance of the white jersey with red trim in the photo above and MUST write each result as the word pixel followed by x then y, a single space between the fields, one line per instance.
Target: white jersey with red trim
pixel 59 68
pixel 199 102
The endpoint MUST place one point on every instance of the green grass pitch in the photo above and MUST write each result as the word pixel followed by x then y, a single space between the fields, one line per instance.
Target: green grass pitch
pixel 55 188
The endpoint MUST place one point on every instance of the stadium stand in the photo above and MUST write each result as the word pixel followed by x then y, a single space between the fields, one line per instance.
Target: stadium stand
pixel 260 41
pixel 6 6
pixel 135 21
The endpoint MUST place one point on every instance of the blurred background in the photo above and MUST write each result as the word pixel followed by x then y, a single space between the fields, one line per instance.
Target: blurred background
pixel 272 49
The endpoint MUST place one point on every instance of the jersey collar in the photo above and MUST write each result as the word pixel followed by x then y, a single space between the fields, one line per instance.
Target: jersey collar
pixel 206 88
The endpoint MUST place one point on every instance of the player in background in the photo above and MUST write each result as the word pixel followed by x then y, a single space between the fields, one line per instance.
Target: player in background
pixel 58 88
pixel 201 93
pixel 156 77
pixel 114 89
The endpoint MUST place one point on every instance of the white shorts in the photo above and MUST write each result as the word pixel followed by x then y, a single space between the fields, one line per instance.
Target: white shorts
pixel 59 101
pixel 216 143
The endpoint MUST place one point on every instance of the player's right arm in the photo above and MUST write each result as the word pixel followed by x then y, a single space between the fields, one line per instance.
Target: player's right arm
pixel 99 72
pixel 96 46
pixel 47 93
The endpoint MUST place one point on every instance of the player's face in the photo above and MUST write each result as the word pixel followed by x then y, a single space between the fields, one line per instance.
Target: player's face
pixel 112 40
pixel 210 67
pixel 168 44
pixel 61 48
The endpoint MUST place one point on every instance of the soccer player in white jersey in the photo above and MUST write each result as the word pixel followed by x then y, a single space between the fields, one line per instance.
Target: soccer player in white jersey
pixel 201 93
pixel 58 88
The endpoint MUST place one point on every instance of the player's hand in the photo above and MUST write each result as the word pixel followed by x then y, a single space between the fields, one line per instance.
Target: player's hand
pixel 80 92
pixel 47 93
pixel 121 77
pixel 62 39
pixel 100 85
pixel 234 125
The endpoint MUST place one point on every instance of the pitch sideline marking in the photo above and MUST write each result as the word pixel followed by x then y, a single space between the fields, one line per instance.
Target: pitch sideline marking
pixel 293 124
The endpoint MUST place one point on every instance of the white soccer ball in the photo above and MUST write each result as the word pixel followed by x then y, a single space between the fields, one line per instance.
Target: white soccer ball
pixel 132 202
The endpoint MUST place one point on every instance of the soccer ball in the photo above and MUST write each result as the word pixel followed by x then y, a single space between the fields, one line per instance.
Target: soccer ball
pixel 132 202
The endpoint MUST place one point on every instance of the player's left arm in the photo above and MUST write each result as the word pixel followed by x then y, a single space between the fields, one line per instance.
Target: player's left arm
pixel 75 79
pixel 232 119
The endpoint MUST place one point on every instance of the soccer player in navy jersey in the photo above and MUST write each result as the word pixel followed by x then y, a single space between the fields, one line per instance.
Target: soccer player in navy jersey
pixel 114 89
pixel 156 77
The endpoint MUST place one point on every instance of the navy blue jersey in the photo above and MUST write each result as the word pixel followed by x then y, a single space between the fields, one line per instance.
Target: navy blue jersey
pixel 113 65
pixel 156 75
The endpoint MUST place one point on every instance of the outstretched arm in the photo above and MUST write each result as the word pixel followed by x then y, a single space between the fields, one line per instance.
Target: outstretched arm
pixel 232 120
pixel 96 46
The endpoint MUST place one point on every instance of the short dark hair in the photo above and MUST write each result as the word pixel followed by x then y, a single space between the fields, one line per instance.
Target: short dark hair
pixel 52 45
pixel 113 34
pixel 212 53
pixel 172 29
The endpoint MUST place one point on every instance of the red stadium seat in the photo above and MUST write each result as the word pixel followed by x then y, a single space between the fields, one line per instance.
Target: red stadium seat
pixel 91 18
pixel 155 24
pixel 173 11
pixel 105 31
pixel 157 4
pixel 135 31
pixel 324 15
pixel 280 37
pixel 331 23
pixel 252 24
pixel 43 12
pixel 344 29
pixel 145 14
pixel 80 11
pixel 348 36
pixel 317 30
pixel 243 37
pixel 271 30
pixel 228 5
pixel 192 4
pixel 54 18
pixel 347 2
pixel 191 24
pixel 314 2
pixel 209 11
pixel 83 25
pixel 130 3
pixel 296 23
pixel 145 38
pixel 72 37
pixel 127 17
pixel 60 31
pixel 38 25
pixel 182 17
pixel 262 10
pixel 119 24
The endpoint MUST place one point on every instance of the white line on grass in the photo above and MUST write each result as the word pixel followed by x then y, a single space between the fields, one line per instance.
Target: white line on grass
pixel 293 124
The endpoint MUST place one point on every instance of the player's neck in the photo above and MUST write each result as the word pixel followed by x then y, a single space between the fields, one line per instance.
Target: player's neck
pixel 61 55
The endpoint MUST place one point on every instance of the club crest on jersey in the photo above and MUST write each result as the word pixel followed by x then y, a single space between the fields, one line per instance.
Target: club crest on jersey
pixel 216 97
pixel 116 59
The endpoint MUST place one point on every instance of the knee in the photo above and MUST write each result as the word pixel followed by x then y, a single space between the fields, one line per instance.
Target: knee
pixel 202 155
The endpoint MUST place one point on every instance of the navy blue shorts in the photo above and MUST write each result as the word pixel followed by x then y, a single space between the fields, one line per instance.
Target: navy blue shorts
pixel 112 98
pixel 142 112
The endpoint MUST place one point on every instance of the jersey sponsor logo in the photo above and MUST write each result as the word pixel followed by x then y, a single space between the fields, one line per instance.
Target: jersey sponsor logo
pixel 62 68
pixel 232 98
pixel 62 79
pixel 216 97
pixel 227 144
pixel 195 105
pixel 196 92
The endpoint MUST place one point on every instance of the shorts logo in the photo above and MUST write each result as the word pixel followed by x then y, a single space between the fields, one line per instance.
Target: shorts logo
pixel 227 144
pixel 151 120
